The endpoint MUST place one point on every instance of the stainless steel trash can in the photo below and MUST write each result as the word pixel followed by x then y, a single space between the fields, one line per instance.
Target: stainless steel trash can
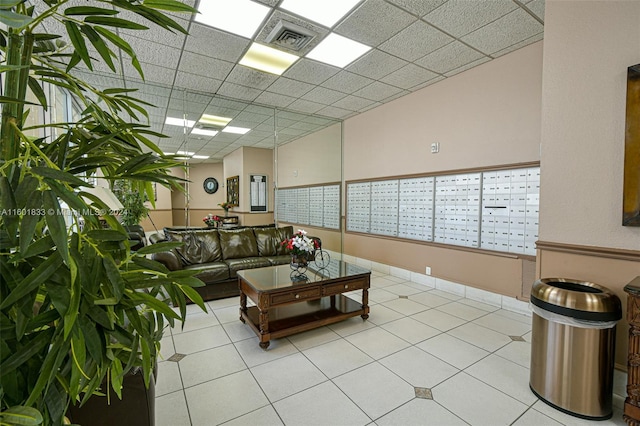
pixel 572 346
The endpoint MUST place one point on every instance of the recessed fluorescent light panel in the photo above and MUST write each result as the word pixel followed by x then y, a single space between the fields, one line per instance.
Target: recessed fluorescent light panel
pixel 179 122
pixel 214 120
pixel 326 12
pixel 204 132
pixel 236 130
pixel 267 59
pixel 185 153
pixel 338 51
pixel 200 157
pixel 241 17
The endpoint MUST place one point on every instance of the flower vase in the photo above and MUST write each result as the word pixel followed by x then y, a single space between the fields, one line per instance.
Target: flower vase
pixel 299 260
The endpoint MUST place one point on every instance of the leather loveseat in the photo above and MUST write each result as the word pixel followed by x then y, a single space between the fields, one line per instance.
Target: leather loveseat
pixel 218 254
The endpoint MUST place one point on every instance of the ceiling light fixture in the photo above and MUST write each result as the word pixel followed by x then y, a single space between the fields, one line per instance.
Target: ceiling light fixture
pixel 204 132
pixel 214 120
pixel 199 157
pixel 326 12
pixel 267 59
pixel 241 17
pixel 172 121
pixel 236 130
pixel 338 51
pixel 189 153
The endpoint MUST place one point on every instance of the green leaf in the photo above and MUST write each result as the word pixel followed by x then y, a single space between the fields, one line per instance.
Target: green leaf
pixel 14 20
pixel 159 247
pixel 30 220
pixel 19 415
pixel 5 4
pixel 194 296
pixel 116 377
pixel 78 42
pixel 59 175
pixel 158 305
pixel 106 235
pixel 35 87
pixel 34 279
pixel 93 339
pixel 113 274
pixel 9 100
pixel 114 22
pixel 74 302
pixel 8 208
pixel 169 5
pixel 89 10
pixel 55 222
pixel 25 353
pixel 100 46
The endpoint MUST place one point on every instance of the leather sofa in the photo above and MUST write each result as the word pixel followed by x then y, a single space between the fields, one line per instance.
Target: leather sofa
pixel 218 254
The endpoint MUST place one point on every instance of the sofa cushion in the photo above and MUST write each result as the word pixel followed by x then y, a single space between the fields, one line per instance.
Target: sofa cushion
pixel 210 272
pixel 282 259
pixel 268 240
pixel 200 245
pixel 238 243
pixel 236 265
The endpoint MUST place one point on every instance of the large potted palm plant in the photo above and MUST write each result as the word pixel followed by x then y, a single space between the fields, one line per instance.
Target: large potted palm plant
pixel 78 309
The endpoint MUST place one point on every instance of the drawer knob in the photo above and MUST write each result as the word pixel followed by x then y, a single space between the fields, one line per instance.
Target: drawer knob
pixel 297 296
pixel 346 286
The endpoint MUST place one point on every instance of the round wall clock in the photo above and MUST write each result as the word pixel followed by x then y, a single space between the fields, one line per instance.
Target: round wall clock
pixel 210 185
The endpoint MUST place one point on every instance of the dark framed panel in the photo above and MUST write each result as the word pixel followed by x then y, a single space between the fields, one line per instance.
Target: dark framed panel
pixel 233 190
pixel 631 194
pixel 258 193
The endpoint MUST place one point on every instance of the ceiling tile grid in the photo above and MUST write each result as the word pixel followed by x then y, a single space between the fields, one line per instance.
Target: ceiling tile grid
pixel 414 43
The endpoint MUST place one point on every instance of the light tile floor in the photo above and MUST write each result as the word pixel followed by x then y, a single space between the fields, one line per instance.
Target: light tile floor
pixel 359 372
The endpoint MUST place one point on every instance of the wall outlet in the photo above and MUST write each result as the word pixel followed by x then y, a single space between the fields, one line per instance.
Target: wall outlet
pixel 435 147
pixel 428 270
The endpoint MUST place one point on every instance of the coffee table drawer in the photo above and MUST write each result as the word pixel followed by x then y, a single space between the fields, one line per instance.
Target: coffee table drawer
pixel 295 296
pixel 331 289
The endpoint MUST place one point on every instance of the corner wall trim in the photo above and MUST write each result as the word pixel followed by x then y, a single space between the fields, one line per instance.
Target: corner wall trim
pixel 607 252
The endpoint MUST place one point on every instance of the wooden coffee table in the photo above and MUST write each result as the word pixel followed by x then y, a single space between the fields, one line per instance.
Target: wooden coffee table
pixel 286 304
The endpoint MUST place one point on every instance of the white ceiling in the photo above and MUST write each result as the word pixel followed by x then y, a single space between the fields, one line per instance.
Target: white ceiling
pixel 414 43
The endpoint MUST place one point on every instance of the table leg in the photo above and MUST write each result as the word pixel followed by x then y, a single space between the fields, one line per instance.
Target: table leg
pixel 263 319
pixel 243 305
pixel 365 303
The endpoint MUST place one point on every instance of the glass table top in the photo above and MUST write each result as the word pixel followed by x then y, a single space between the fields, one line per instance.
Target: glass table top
pixel 282 276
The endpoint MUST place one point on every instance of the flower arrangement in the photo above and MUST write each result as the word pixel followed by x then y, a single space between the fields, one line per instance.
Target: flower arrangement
pixel 299 243
pixel 211 220
pixel 225 206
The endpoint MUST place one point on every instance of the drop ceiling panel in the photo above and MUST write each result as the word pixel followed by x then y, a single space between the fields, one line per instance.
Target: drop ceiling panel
pixel 537 7
pixel 197 82
pixel 290 87
pixel 418 7
pixel 323 95
pixel 374 22
pixel 504 32
pixel 236 91
pixel 376 64
pixel 415 41
pixel 249 77
pixel 353 103
pixel 306 106
pixel 519 45
pixel 335 112
pixel 449 57
pixel 377 91
pixel 205 66
pixel 275 99
pixel 347 82
pixel 461 17
pixel 207 41
pixel 409 76
pixel 156 53
pixel 310 71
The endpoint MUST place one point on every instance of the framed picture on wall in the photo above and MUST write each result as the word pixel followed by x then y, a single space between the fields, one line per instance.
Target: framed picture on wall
pixel 258 193
pixel 631 191
pixel 233 190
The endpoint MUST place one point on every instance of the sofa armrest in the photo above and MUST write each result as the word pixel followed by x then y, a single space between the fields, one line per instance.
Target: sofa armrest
pixel 168 259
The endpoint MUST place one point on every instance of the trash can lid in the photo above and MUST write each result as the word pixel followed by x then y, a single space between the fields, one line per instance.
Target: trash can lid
pixel 577 299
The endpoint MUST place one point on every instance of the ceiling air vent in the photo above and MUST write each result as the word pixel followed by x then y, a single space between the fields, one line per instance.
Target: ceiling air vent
pixel 290 36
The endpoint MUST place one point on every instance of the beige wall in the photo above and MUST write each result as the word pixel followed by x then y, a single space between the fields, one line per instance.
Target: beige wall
pixel 487 116
pixel 588 47
pixel 312 159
